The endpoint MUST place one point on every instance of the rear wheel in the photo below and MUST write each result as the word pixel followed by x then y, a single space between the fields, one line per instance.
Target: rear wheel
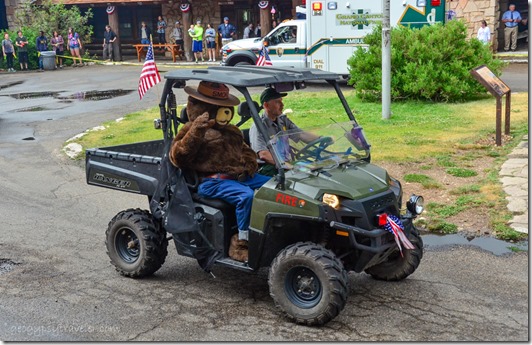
pixel 308 283
pixel 135 245
pixel 398 267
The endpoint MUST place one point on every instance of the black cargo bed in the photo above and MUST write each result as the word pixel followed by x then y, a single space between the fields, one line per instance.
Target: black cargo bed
pixel 131 168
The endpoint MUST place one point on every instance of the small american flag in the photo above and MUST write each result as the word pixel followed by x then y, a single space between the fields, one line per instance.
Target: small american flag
pixel 264 57
pixel 149 75
pixel 395 226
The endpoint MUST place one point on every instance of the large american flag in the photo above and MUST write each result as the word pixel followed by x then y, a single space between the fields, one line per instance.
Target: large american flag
pixel 150 74
pixel 264 57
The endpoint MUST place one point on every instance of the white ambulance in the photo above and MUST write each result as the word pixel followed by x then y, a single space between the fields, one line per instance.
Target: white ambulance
pixel 330 34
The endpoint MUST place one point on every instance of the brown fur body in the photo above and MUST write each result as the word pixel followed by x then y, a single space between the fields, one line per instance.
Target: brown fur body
pixel 208 148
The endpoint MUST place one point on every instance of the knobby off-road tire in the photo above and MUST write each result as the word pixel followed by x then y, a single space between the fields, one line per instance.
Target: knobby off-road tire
pixel 397 267
pixel 308 283
pixel 135 245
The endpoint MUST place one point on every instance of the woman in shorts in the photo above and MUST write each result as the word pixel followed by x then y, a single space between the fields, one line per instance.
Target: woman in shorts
pixel 210 37
pixel 74 45
pixel 59 46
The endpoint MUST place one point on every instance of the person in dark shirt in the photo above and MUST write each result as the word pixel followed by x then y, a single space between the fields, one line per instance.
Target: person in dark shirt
pixel 109 37
pixel 22 43
pixel 227 31
pixel 42 45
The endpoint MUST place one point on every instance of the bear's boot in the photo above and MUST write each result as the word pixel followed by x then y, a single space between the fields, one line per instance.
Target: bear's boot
pixel 238 249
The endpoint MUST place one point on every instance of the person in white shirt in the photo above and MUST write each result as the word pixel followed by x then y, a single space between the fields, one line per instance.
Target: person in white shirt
pixel 483 33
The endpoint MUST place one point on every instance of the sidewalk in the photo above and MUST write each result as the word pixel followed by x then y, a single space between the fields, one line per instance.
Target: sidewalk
pixel 514 178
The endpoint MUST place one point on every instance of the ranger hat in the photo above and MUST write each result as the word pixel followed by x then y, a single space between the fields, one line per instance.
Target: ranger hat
pixel 213 93
pixel 269 94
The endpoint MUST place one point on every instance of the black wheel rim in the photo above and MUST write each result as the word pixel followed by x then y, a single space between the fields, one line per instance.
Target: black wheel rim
pixel 127 245
pixel 303 288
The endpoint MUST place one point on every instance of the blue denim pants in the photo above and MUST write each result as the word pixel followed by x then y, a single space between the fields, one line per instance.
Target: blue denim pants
pixel 234 192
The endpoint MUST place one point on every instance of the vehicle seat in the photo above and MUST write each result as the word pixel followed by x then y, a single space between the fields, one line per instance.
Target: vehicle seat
pixel 245 133
pixel 183 116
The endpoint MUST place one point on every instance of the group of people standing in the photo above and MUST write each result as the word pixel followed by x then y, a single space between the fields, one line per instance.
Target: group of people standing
pixel 513 24
pixel 42 44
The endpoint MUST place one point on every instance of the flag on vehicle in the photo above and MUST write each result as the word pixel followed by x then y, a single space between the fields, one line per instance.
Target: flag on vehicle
pixel 395 226
pixel 264 57
pixel 150 74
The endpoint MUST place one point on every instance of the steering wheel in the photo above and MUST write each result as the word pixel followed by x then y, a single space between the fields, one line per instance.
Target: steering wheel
pixel 315 147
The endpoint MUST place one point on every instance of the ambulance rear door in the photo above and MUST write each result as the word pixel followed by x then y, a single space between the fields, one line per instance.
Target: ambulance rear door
pixel 336 29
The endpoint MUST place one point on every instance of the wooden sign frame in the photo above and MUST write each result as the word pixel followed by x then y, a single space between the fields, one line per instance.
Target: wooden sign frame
pixel 498 89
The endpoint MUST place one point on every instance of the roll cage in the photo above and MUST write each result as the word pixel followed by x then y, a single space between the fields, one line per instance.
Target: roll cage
pixel 241 78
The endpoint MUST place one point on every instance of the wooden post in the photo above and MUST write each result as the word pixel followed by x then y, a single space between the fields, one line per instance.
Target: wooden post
pixel 507 114
pixel 187 40
pixel 265 21
pixel 294 4
pixel 498 117
pixel 113 23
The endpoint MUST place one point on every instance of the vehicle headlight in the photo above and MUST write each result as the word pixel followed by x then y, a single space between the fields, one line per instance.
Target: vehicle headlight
pixel 331 200
pixel 416 204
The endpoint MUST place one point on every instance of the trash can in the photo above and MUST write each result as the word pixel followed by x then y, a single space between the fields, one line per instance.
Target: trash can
pixel 48 60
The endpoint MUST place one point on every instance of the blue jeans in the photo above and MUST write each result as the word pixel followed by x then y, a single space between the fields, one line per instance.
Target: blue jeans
pixel 41 66
pixel 234 192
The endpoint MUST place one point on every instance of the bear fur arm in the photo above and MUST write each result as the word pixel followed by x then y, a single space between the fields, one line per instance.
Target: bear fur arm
pixel 187 142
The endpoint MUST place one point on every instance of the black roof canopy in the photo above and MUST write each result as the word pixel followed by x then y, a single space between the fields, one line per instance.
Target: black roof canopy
pixel 249 76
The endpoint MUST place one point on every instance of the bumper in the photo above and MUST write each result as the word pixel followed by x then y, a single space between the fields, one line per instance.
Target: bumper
pixel 377 236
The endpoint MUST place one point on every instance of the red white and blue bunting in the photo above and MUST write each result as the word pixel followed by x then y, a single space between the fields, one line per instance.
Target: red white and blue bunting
pixel 396 227
pixel 263 4
pixel 185 7
pixel 110 9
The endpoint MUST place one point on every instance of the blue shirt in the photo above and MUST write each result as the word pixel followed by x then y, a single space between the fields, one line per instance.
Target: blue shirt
pixel 41 43
pixel 226 30
pixel 511 15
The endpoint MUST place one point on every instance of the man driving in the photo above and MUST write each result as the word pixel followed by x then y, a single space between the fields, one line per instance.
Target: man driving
pixel 275 121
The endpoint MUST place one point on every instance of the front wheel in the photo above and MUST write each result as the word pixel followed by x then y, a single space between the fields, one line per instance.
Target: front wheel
pixel 397 267
pixel 243 64
pixel 135 245
pixel 308 283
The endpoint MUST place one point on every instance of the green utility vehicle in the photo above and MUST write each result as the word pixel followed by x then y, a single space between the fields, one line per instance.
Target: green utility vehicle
pixel 326 212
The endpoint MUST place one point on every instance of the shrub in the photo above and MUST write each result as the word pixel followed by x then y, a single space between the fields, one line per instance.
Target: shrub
pixel 48 16
pixel 430 63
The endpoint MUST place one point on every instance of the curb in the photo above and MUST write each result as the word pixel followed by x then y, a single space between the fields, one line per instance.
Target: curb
pixel 514 178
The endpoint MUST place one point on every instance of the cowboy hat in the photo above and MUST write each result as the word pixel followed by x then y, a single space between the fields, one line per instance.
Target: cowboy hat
pixel 213 93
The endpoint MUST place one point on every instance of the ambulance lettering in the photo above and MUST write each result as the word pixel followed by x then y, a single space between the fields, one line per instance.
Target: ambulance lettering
pixel 318 63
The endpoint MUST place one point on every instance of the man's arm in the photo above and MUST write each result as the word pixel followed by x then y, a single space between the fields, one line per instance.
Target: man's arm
pixel 306 137
pixel 266 156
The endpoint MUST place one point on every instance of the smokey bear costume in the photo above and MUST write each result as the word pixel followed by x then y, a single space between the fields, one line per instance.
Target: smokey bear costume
pixel 215 149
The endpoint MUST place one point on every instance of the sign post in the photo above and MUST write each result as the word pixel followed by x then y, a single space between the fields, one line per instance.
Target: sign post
pixel 498 89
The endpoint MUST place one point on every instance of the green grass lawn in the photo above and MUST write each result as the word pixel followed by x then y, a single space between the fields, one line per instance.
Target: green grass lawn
pixel 416 130
pixel 431 135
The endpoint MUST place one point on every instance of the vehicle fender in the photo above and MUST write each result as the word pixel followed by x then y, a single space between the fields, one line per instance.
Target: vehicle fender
pixel 239 56
pixel 264 246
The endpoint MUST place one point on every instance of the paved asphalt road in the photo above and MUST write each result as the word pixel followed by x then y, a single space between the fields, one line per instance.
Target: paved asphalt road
pixel 56 282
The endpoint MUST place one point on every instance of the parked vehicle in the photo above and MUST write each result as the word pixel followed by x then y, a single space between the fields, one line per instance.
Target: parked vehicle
pixel 325 213
pixel 330 34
